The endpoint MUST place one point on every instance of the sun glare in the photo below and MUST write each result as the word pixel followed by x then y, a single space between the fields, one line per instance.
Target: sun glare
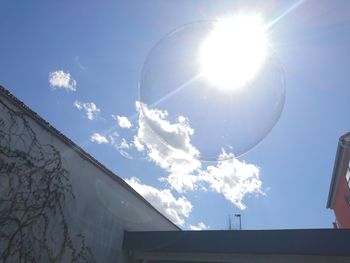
pixel 234 51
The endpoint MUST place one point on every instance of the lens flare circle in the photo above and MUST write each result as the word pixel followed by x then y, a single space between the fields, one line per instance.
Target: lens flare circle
pixel 178 83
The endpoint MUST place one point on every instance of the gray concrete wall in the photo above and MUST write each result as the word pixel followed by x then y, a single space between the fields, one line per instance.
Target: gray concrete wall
pixel 90 208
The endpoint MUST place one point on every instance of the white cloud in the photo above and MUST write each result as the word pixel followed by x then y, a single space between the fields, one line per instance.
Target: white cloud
pixel 234 179
pixel 176 209
pixel 62 80
pixel 178 156
pixel 139 146
pixel 90 109
pixel 78 105
pixel 98 138
pixel 230 177
pixel 183 182
pixel 123 121
pixel 199 226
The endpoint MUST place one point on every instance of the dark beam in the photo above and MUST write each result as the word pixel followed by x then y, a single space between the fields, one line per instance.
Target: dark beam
pixel 316 242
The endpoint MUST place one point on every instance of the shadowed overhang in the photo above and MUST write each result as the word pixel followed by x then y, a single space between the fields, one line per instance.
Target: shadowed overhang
pixel 309 245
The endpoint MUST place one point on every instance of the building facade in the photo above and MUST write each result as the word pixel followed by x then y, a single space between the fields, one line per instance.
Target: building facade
pixel 58 203
pixel 339 192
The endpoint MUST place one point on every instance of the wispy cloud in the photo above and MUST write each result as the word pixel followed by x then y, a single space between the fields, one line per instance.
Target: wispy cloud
pixel 90 109
pixel 122 121
pixel 113 139
pixel 77 61
pixel 176 209
pixel 125 154
pixel 199 226
pixel 98 138
pixel 124 144
pixel 62 80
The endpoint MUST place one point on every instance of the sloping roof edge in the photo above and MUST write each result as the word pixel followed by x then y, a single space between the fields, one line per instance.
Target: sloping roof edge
pixel 343 147
pixel 46 125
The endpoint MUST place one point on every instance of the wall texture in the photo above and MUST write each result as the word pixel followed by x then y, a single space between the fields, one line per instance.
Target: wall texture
pixel 57 203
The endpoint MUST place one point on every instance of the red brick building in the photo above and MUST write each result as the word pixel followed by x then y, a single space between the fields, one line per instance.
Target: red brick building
pixel 339 192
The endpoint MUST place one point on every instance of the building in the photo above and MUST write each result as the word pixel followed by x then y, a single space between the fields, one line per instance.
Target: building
pixel 339 192
pixel 59 204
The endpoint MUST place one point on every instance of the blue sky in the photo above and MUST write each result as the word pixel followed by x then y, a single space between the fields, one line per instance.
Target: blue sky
pixel 103 48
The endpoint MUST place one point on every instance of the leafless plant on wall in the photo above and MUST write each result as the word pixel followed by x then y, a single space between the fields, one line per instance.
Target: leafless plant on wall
pixel 34 187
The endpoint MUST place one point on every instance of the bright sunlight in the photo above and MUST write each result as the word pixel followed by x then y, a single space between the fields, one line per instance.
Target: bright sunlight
pixel 234 51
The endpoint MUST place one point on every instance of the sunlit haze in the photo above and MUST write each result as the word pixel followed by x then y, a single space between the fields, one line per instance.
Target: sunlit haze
pixel 234 51
pixel 130 81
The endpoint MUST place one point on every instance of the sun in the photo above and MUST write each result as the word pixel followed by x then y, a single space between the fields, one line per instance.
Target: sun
pixel 234 51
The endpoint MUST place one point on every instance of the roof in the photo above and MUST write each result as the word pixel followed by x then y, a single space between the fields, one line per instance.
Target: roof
pixel 340 165
pixel 46 125
pixel 307 242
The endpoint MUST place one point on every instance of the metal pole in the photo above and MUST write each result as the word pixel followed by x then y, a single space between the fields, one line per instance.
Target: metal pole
pixel 240 220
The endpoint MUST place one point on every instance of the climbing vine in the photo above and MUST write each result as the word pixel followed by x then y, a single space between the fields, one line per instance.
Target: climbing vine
pixel 34 187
